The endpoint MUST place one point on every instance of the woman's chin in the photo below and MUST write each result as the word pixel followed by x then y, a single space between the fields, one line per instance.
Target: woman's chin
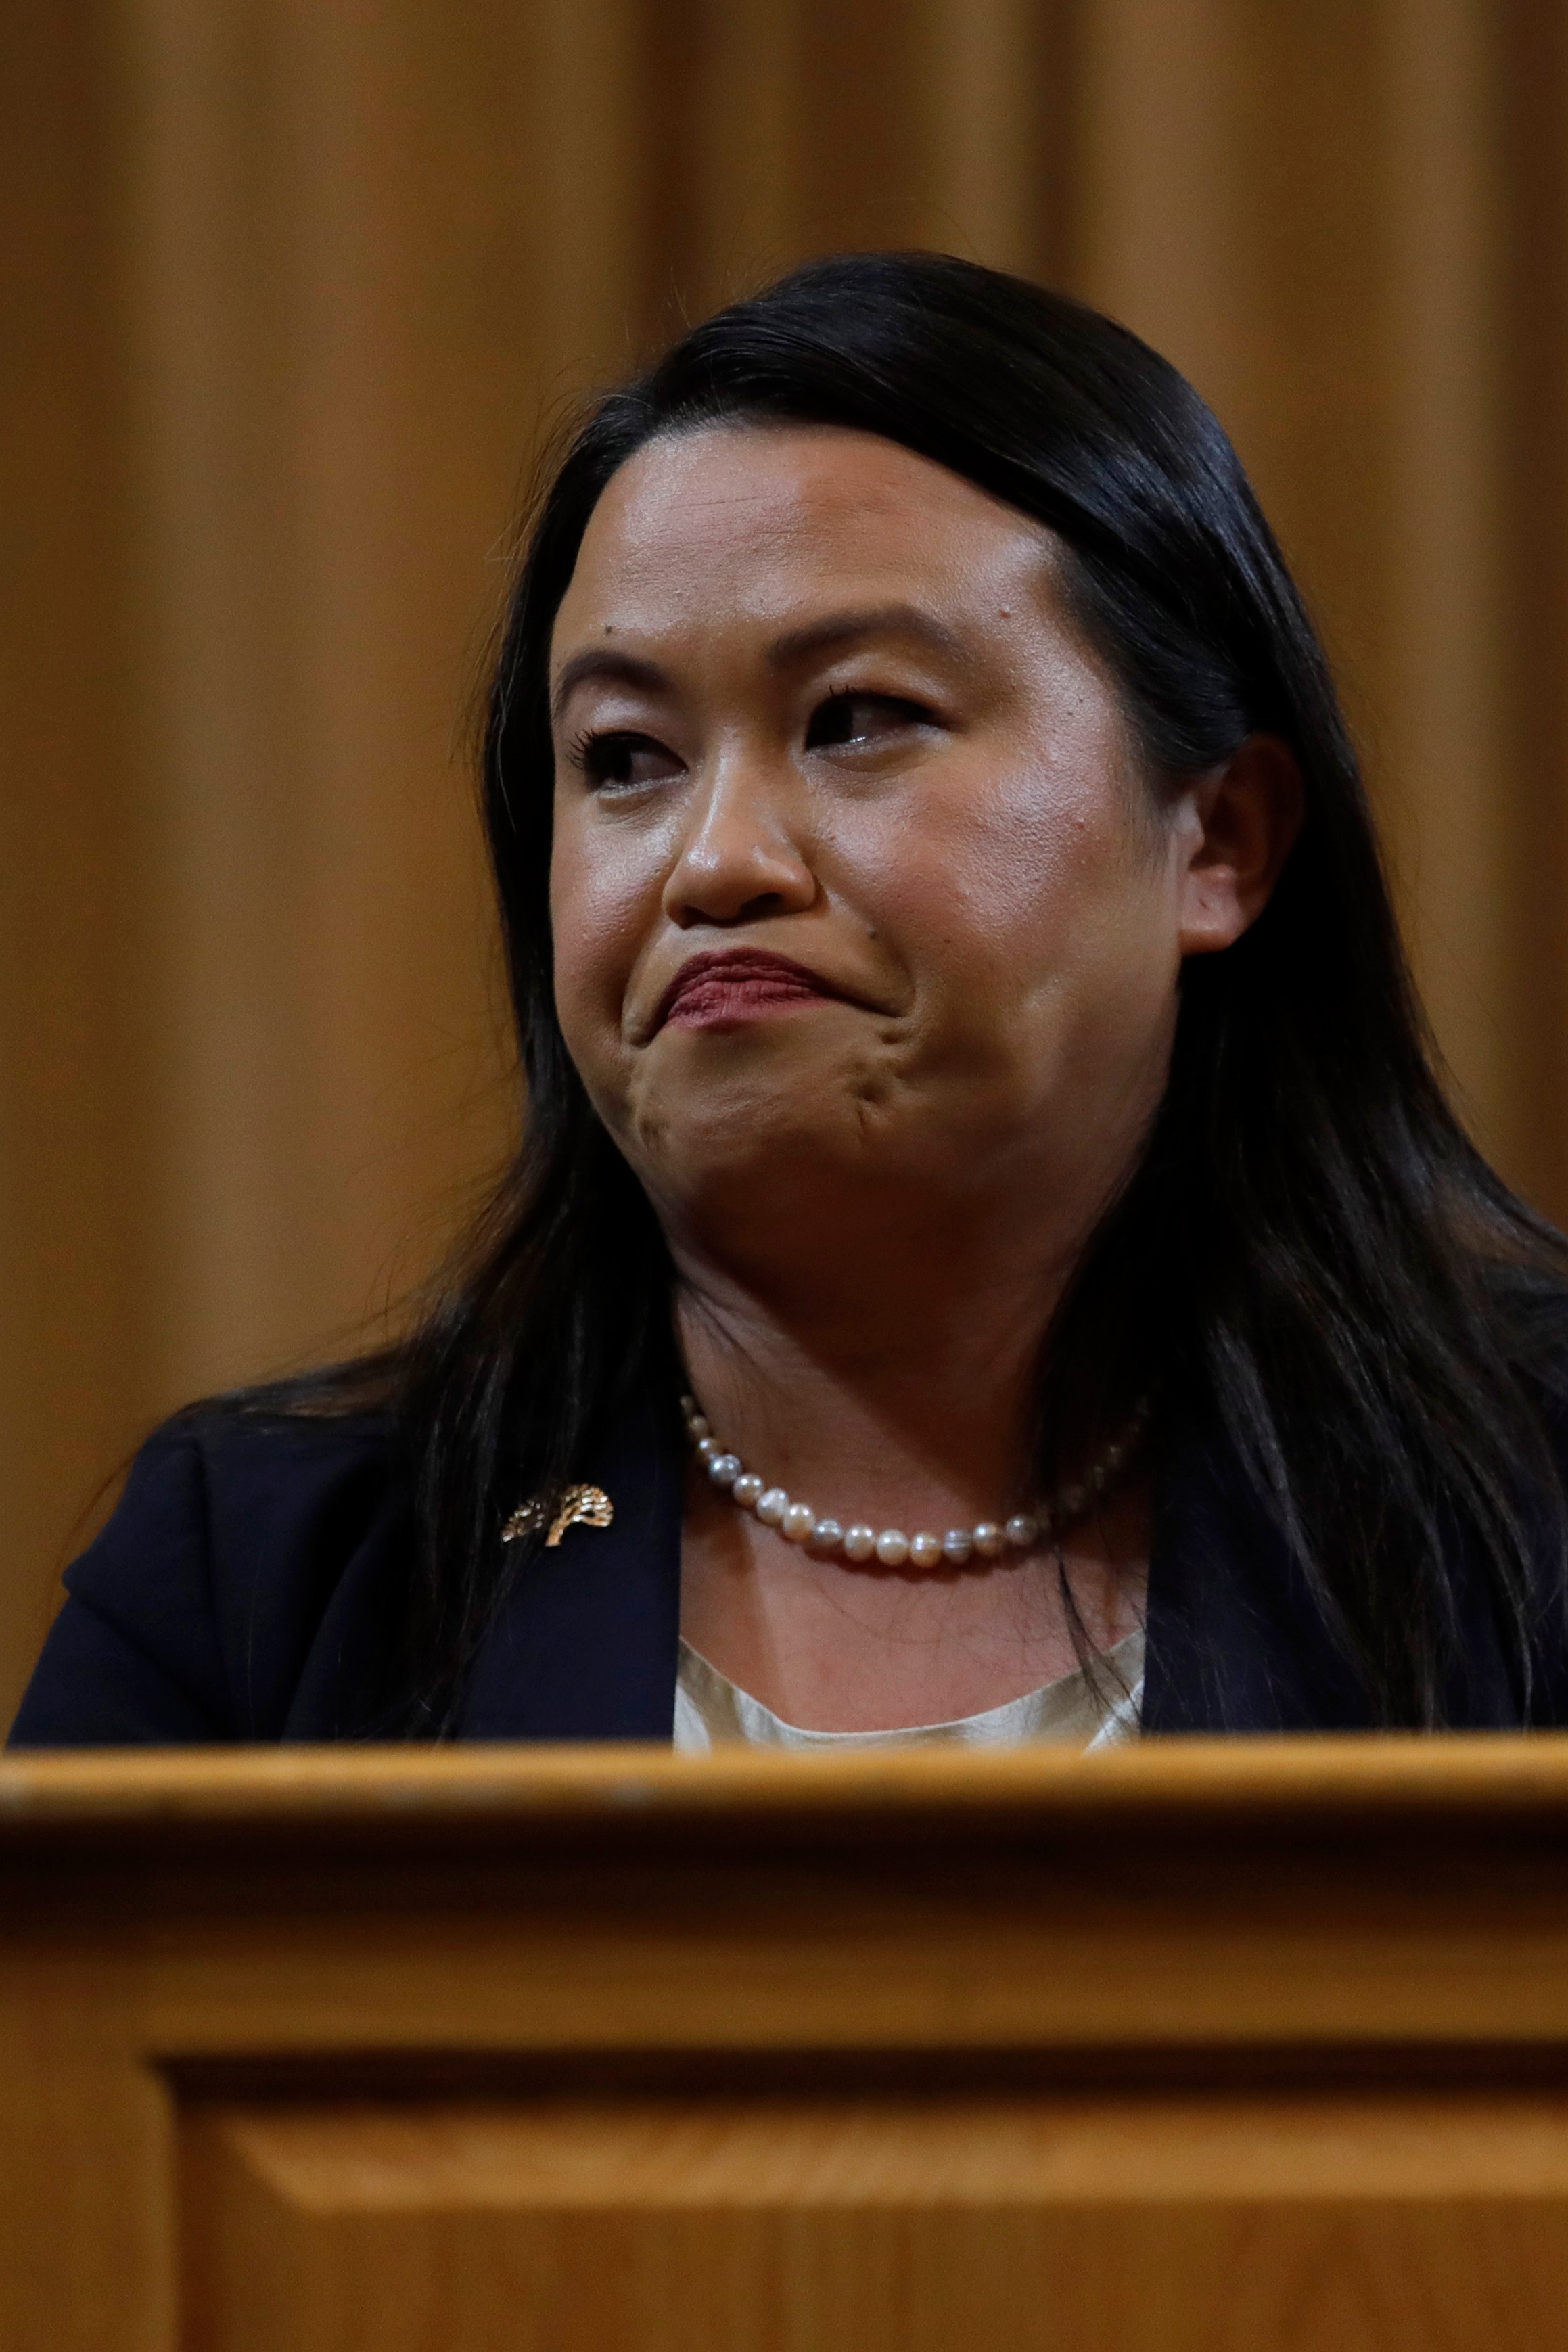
pixel 762 1145
pixel 793 1176
pixel 756 1100
pixel 782 1157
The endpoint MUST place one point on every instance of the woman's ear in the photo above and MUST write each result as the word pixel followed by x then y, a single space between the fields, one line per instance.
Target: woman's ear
pixel 1239 826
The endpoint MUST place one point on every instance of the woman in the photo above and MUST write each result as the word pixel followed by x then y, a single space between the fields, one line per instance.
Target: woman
pixel 970 1063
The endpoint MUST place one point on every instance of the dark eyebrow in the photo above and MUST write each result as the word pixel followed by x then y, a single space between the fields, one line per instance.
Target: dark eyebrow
pixel 836 630
pixel 605 662
pixel 831 634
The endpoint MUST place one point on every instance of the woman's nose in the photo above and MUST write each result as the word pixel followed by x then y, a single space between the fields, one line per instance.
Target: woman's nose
pixel 741 860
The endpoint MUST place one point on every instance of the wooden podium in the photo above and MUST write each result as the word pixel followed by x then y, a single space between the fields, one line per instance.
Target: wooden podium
pixel 1236 2045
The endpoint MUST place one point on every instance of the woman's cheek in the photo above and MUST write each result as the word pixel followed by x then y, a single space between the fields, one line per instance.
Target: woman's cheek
pixel 582 949
pixel 599 918
pixel 1003 884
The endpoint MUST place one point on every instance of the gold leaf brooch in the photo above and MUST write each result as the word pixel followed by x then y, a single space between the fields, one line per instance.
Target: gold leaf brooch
pixel 588 1507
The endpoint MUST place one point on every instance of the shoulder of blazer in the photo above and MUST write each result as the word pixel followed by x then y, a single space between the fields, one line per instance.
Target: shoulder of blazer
pixel 1239 1641
pixel 192 1616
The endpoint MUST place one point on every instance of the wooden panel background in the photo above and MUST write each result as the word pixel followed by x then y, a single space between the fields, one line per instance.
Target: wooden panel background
pixel 1274 2223
pixel 287 289
pixel 1190 2046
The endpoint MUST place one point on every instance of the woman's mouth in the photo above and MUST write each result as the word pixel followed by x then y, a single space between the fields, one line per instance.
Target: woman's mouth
pixel 725 986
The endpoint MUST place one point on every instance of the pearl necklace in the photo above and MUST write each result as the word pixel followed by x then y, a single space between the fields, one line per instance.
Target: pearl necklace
pixel 799 1524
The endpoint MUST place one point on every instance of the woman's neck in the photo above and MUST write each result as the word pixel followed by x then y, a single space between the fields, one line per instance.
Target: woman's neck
pixel 889 1382
pixel 908 1412
pixel 900 1394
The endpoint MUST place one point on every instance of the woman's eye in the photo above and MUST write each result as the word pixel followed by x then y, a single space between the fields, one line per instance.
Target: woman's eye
pixel 850 718
pixel 621 762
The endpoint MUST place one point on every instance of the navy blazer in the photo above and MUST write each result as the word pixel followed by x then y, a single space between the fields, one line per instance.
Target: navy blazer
pixel 245 1591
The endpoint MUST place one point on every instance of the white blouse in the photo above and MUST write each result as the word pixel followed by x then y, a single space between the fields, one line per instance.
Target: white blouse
pixel 711 1711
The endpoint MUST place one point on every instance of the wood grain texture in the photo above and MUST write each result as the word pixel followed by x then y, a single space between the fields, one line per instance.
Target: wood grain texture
pixel 357 1788
pixel 1169 2225
pixel 1244 2045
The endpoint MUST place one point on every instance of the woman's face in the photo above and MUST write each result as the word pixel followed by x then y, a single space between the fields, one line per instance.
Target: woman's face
pixel 856 882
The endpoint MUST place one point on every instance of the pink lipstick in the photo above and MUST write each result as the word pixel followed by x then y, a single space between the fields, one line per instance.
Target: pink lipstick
pixel 725 986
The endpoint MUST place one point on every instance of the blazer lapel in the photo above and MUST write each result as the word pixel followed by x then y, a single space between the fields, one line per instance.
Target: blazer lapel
pixel 585 1647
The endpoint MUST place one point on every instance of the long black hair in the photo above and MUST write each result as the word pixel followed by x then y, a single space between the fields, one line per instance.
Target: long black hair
pixel 1310 1258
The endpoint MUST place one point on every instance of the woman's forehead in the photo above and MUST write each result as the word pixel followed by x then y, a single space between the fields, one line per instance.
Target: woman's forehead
pixel 754 518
